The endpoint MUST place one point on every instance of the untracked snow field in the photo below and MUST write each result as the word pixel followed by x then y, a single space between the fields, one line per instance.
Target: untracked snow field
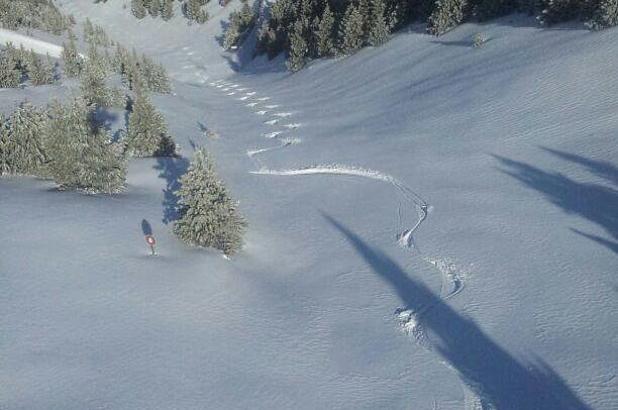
pixel 431 226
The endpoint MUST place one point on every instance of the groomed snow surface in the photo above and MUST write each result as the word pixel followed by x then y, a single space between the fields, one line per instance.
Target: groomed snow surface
pixel 495 168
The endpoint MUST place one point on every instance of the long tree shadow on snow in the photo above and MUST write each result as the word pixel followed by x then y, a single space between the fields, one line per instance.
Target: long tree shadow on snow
pixel 595 202
pixel 498 378
pixel 171 169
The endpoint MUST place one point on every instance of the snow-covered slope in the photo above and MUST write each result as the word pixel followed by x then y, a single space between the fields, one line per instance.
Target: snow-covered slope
pixel 431 227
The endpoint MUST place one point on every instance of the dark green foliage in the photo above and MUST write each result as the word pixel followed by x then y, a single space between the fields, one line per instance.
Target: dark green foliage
pixel 73 62
pixel 167 9
pixel 22 142
pixel 556 11
pixel 138 9
pixel 10 68
pixel 81 154
pixel 194 12
pixel 606 15
pixel 208 215
pixel 446 15
pixel 40 71
pixel 94 88
pixel 241 23
pixel 351 31
pixel 134 68
pixel 299 50
pixel 378 26
pixel 33 14
pixel 17 65
pixel 147 134
pixel 326 35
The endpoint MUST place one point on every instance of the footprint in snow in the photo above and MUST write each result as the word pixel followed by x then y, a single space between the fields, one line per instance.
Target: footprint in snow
pixel 271 122
pixel 253 104
pixel 263 99
pixel 263 112
pixel 243 98
pixel 272 134
pixel 251 93
pixel 282 114
pixel 292 126
pixel 270 107
pixel 232 93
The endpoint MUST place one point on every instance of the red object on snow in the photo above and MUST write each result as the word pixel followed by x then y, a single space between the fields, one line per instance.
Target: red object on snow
pixel 150 240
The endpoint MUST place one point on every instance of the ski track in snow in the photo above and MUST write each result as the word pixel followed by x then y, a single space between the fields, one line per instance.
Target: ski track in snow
pixel 452 280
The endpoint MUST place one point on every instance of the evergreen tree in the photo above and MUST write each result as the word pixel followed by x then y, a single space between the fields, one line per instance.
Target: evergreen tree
pixel 70 56
pixel 138 9
pixel 82 155
pixel 378 28
pixel 40 72
pixel 24 147
pixel 208 215
pixel 447 14
pixel 326 33
pixel 167 9
pixel 351 31
pixel 10 76
pixel 94 88
pixel 606 15
pixel 298 48
pixel 193 11
pixel 153 7
pixel 147 132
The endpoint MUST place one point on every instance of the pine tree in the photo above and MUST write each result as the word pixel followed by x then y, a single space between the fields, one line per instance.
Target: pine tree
pixel 167 9
pixel 138 9
pixel 208 215
pixel 147 132
pixel 10 76
pixel 25 147
pixel 351 32
pixel 94 87
pixel 298 48
pixel 70 56
pixel 605 15
pixel 153 7
pixel 378 28
pixel 40 72
pixel 193 11
pixel 81 154
pixel 326 33
pixel 447 14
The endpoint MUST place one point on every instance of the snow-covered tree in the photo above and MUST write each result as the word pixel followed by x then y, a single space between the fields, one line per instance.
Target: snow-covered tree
pixel 378 26
pixel 71 58
pixel 138 9
pixel 193 11
pixel 351 30
pixel 606 15
pixel 81 154
pixel 209 217
pixel 299 50
pixel 10 75
pixel 147 133
pixel 447 14
pixel 167 9
pixel 94 86
pixel 240 23
pixel 24 144
pixel 326 33
pixel 40 72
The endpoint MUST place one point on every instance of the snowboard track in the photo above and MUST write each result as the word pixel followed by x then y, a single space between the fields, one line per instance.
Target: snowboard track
pixel 452 281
